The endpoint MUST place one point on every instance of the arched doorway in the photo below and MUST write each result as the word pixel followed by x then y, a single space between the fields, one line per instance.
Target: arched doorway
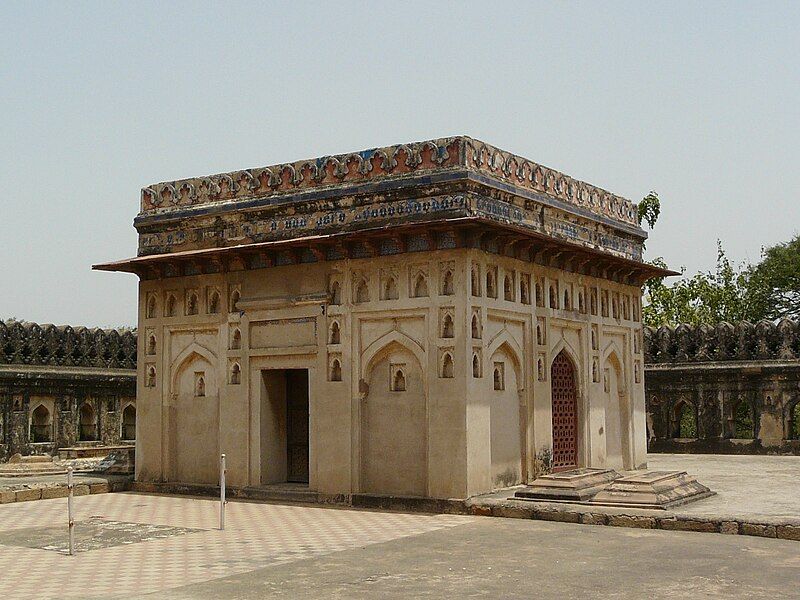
pixel 564 394
pixel 684 421
pixel 129 422
pixel 88 423
pixel 41 425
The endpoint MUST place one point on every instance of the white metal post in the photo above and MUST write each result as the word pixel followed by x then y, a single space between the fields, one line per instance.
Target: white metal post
pixel 222 492
pixel 70 487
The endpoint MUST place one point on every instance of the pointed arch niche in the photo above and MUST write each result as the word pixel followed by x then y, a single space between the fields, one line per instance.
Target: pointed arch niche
pixel 193 448
pixel 87 423
pixel 41 425
pixel 506 415
pixel 128 424
pixel 393 420
pixel 617 411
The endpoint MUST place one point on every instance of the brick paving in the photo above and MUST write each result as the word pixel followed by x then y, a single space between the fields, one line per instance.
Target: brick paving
pixel 256 536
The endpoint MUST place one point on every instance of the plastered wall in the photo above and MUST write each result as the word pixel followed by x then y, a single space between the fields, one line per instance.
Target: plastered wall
pixel 401 353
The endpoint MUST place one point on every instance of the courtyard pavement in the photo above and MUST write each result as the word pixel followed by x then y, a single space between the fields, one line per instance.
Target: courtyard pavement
pixel 759 488
pixel 133 545
pixel 755 495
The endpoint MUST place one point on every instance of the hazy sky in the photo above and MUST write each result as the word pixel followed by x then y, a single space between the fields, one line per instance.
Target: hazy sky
pixel 699 101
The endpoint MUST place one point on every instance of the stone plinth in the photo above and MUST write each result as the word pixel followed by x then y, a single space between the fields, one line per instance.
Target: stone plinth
pixel 640 489
pixel 656 489
pixel 576 485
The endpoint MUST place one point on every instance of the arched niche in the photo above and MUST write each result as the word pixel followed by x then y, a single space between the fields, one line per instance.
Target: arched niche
pixel 361 292
pixel 193 453
pixel 41 429
pixel 390 289
pixel 336 293
pixel 743 421
pixel 151 308
pixel 87 423
pixel 617 411
pixel 448 287
pixel 505 387
pixel 448 327
pixel 420 286
pixel 508 288
pixel 475 327
pixel 213 302
pixel 128 424
pixel 475 281
pixel 514 350
pixel 393 424
pixel 334 334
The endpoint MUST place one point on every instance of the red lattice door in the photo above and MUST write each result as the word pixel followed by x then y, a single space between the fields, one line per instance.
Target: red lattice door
pixel 565 414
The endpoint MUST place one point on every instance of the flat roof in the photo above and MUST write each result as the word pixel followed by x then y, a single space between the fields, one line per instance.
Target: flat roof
pixel 375 164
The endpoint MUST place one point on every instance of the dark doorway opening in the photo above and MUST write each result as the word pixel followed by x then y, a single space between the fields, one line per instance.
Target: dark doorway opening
pixel 297 425
pixel 284 426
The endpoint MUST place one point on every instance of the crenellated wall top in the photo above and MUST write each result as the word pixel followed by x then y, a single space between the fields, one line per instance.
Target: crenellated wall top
pixel 764 340
pixel 395 161
pixel 51 345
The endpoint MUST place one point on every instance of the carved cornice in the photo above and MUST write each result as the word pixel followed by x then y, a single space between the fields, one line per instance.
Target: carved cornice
pixel 743 341
pixel 386 163
pixel 33 344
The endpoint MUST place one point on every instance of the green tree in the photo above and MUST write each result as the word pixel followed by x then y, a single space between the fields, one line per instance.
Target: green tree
pixel 770 290
pixel 774 283
pixel 705 298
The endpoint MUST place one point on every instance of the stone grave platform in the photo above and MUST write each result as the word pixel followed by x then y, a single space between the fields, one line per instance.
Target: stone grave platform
pixel 576 485
pixel 606 487
pixel 652 489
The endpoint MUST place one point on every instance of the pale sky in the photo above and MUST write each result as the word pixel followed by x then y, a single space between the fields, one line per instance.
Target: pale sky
pixel 698 101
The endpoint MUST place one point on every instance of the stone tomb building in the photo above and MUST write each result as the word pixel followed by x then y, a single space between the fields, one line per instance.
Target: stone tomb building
pixel 431 319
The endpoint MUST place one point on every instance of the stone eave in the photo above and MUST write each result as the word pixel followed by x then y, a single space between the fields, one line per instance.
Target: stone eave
pixel 470 231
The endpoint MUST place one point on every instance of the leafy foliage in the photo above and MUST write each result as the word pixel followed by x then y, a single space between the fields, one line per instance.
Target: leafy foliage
pixel 687 423
pixel 774 283
pixel 706 298
pixel 649 209
pixel 743 422
pixel 768 290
